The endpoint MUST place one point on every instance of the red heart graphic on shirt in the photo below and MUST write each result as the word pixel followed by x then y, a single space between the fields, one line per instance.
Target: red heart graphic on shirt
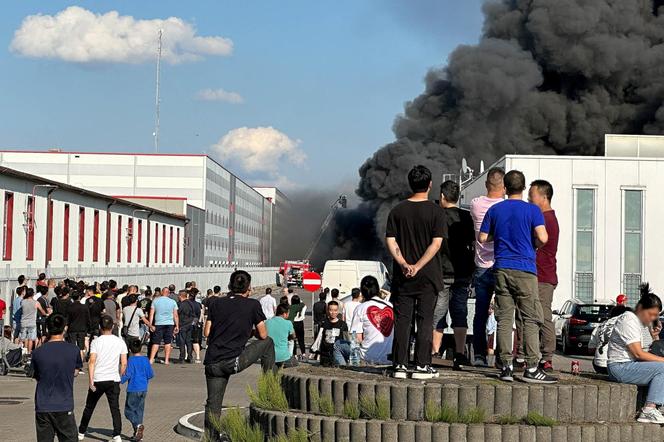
pixel 382 319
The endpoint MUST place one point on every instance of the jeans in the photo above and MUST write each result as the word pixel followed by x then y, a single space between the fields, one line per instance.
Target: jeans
pixel 218 374
pixel 341 352
pixel 422 305
pixel 134 407
pixel 453 298
pixel 185 341
pixel 516 289
pixel 112 391
pixel 641 373
pixel 485 283
pixel 60 424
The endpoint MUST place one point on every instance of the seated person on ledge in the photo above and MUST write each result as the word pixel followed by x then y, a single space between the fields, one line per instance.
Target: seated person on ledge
pixel 629 363
pixel 373 325
pixel 281 330
pixel 331 330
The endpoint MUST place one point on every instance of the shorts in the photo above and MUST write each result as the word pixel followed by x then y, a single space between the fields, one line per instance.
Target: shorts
pixel 197 334
pixel 29 333
pixel 453 298
pixel 41 328
pixel 77 338
pixel 162 333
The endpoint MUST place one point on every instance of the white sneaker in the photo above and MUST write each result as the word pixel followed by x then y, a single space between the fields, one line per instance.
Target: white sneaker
pixel 651 416
pixel 115 439
pixel 81 436
pixel 425 372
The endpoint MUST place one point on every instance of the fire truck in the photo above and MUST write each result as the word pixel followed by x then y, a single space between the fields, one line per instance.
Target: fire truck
pixel 290 272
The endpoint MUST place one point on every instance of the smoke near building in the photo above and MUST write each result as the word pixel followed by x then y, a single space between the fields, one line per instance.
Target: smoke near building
pixel 547 77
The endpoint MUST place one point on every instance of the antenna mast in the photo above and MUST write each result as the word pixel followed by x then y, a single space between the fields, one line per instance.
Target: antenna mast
pixel 157 96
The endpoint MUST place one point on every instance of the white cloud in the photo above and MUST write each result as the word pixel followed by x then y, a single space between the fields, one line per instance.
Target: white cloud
pixel 260 149
pixel 81 36
pixel 219 95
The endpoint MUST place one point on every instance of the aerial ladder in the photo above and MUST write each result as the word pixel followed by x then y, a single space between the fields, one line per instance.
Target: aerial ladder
pixel 339 203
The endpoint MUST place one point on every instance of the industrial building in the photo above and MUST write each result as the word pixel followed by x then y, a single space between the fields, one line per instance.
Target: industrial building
pixel 48 224
pixel 230 221
pixel 608 209
pixel 282 214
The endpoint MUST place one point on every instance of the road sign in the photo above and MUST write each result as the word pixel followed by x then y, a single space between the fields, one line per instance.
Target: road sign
pixel 311 281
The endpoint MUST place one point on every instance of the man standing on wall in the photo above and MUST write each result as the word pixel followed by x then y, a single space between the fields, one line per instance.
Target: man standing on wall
pixel 414 235
pixel 483 278
pixel 541 194
pixel 517 228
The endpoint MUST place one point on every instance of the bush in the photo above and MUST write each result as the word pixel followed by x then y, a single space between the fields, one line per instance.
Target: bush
pixel 351 410
pixel 299 435
pixel 270 395
pixel 472 416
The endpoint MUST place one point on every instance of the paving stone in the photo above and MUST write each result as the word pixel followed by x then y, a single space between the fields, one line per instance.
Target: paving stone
pixel 458 433
pixel 313 385
pixel 590 405
pixel 352 392
pixel 578 403
pixel 615 402
pixel 493 433
pixel 432 394
pixel 486 396
pixel 467 398
pixel 328 430
pixel 510 433
pixel 325 385
pixel 536 399
pixel 503 405
pixel 415 403
pixel 383 392
pixel 614 433
pixel 290 422
pixel 626 433
pixel 527 433
pixel 338 386
pixel 440 433
pixel 601 432
pixel 315 430
pixel 550 408
pixel 543 434
pixel 358 431
pixel 564 403
pixel 390 432
pixel 423 432
pixel 558 434
pixel 519 400
pixel 399 401
pixel 588 433
pixel 475 433
pixel 342 430
pixel 574 433
pixel 639 431
pixel 406 431
pixel 304 394
pixel 450 396
pixel 374 431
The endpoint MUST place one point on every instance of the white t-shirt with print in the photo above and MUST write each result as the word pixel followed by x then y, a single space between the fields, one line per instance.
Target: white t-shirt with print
pixel 628 330
pixel 375 320
pixel 108 349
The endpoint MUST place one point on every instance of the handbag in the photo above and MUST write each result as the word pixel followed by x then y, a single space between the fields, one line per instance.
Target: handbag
pixel 125 328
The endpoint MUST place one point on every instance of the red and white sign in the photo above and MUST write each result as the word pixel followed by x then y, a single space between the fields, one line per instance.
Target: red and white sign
pixel 311 281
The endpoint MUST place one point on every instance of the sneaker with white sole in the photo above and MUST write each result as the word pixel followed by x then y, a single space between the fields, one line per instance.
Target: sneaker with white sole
pixel 115 439
pixel 538 376
pixel 400 372
pixel 424 372
pixel 81 436
pixel 651 416
pixel 506 374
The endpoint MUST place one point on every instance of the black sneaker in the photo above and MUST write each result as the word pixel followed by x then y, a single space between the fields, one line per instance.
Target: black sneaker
pixel 506 374
pixel 546 366
pixel 424 372
pixel 538 376
pixel 400 372
pixel 460 361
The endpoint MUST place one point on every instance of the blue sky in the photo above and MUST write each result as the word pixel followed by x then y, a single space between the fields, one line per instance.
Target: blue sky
pixel 329 77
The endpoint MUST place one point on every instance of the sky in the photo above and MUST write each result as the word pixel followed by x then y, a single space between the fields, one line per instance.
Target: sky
pixel 293 93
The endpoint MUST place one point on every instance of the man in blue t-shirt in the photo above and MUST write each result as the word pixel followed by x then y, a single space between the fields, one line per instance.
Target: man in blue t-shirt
pixel 55 365
pixel 165 323
pixel 516 229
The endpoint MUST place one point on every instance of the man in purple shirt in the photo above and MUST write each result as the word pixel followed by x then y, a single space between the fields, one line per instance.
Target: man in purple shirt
pixel 541 194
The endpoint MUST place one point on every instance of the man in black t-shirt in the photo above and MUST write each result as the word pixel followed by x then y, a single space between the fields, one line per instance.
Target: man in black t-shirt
pixel 319 311
pixel 458 263
pixel 231 321
pixel 414 235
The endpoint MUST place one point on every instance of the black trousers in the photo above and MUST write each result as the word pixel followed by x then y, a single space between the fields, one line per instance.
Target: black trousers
pixel 186 341
pixel 299 335
pixel 60 424
pixel 112 392
pixel 405 306
pixel 218 374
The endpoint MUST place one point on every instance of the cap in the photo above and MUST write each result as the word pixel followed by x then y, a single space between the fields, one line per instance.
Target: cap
pixel 621 299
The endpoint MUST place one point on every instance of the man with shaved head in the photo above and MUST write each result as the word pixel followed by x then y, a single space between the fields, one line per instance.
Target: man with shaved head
pixel 484 281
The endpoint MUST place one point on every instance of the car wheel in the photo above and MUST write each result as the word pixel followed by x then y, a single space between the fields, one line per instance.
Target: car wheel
pixel 566 349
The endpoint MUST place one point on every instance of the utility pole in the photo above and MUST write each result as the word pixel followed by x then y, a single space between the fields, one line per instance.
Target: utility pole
pixel 157 97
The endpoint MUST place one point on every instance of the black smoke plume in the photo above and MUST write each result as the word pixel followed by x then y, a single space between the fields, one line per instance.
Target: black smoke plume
pixel 547 77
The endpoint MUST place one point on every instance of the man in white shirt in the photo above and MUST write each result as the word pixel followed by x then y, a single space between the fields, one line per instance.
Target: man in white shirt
pixel 349 308
pixel 268 303
pixel 107 353
pixel 373 325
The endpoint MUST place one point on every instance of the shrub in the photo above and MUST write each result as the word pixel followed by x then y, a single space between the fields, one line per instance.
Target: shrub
pixel 437 413
pixel 508 419
pixel 269 395
pixel 299 435
pixel 351 410
pixel 472 416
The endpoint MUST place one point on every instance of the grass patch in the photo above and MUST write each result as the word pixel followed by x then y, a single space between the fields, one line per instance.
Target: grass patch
pixel 536 419
pixel 326 406
pixel 269 395
pixel 508 419
pixel 235 425
pixel 437 413
pixel 299 435
pixel 473 416
pixel 378 408
pixel 351 410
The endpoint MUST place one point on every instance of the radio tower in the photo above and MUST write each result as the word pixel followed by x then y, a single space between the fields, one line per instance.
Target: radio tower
pixel 157 98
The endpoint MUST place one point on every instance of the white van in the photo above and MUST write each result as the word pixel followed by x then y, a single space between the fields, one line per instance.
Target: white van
pixel 345 275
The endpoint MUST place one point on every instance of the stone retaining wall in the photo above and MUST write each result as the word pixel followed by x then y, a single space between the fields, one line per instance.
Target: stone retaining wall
pixel 596 401
pixel 336 429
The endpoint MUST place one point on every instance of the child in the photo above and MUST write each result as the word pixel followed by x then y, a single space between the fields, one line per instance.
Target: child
pixel 138 373
pixel 331 330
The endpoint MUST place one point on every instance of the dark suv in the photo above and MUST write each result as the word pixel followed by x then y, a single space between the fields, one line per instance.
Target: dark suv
pixel 575 321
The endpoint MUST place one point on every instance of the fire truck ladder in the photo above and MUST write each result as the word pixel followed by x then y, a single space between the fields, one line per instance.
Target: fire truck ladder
pixel 339 203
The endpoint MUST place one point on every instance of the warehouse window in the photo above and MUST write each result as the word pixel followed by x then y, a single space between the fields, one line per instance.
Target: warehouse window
pixel 130 237
pixel 118 257
pixel 8 227
pixel 30 228
pixel 584 278
pixel 49 231
pixel 95 236
pixel 65 235
pixel 163 244
pixel 140 240
pixel 81 233
pixel 632 243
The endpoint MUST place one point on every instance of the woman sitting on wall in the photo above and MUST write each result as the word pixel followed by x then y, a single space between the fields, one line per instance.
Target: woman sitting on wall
pixel 629 363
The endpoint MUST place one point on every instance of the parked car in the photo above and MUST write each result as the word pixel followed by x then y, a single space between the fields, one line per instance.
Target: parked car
pixel 575 321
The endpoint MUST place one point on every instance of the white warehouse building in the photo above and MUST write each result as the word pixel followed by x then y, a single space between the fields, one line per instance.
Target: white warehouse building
pixel 230 220
pixel 609 209
pixel 48 224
